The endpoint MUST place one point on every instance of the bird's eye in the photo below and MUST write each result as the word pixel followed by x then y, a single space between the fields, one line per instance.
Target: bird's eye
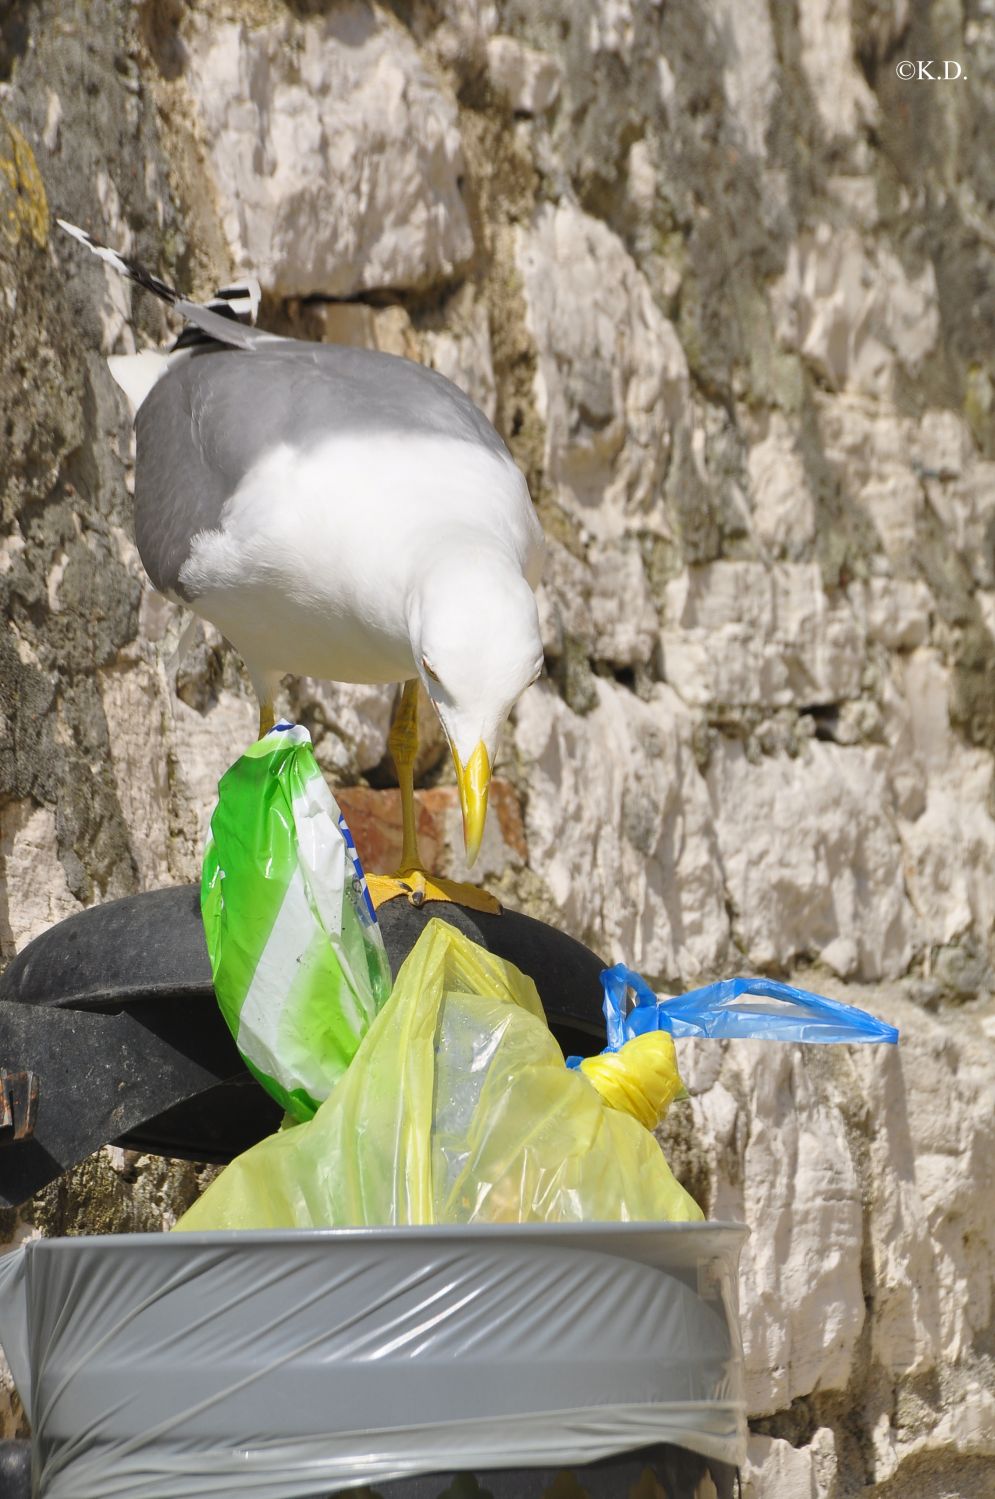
pixel 429 670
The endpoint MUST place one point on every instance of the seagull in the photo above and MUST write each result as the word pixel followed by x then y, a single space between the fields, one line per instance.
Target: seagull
pixel 344 514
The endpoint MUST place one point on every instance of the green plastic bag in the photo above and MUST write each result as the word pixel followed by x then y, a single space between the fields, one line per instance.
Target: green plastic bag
pixel 458 1108
pixel 299 965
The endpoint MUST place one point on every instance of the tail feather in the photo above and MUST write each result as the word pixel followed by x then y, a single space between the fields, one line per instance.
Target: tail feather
pixel 241 298
pixel 225 330
pixel 238 303
pixel 222 319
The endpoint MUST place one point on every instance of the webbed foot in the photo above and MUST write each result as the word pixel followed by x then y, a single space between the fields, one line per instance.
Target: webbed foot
pixel 419 886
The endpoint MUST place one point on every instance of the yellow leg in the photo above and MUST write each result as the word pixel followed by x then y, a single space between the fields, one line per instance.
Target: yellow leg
pixel 412 879
pixel 266 719
pixel 402 742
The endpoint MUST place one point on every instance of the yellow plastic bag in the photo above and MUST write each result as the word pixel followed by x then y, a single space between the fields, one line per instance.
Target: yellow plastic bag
pixel 641 1078
pixel 458 1108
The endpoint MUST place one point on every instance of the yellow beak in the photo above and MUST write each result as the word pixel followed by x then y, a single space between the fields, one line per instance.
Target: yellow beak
pixel 473 780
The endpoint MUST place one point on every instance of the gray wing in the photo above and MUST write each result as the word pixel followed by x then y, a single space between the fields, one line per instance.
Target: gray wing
pixel 215 414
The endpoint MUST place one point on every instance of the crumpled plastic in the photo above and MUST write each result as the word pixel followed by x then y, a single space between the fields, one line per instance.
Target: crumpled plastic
pixel 458 1108
pixel 758 1008
pixel 298 962
pixel 641 1078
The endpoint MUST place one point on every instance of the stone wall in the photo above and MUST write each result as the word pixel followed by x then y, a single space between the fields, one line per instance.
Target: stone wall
pixel 726 284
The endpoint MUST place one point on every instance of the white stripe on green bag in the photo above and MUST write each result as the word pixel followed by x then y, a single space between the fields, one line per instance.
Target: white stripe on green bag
pixel 299 969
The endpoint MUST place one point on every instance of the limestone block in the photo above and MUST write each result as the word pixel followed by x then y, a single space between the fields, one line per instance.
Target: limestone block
pixel 349 323
pixel 858 195
pixel 812 858
pixel 932 1163
pixel 618 827
pixel 785 1166
pixel 564 599
pixel 360 326
pixel 776 1470
pixel 895 612
pixel 667 84
pixel 842 96
pixel 474 20
pixel 965 1429
pixel 867 1174
pixel 167 755
pixel 603 603
pixel 743 633
pixel 335 154
pixel 115 313
pixel 905 1327
pixel 612 27
pixel 612 379
pixel 925 685
pixel 966 508
pixel 942 444
pixel 863 434
pixel 950 845
pixel 749 77
pixel 894 500
pixel 463 355
pixel 642 185
pixel 986 603
pixel 906 772
pixel 205 744
pixel 873 451
pixel 529 80
pixel 801 1288
pixel 350 723
pixel 781 500
pixel 898 612
pixel 624 623
pixel 852 310
pixel 139 722
pixel 34 891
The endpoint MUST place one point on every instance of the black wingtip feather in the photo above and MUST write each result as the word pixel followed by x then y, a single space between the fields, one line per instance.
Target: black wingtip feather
pixel 237 304
pixel 122 263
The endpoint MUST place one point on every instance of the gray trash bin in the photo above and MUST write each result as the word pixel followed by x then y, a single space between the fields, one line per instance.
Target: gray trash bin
pixel 290 1364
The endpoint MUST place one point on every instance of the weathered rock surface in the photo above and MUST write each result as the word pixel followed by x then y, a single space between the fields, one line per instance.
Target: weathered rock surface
pixel 854 314
pixel 812 858
pixel 748 633
pixel 868 1175
pixel 726 284
pixel 527 79
pixel 336 156
pixel 611 383
pixel 612 877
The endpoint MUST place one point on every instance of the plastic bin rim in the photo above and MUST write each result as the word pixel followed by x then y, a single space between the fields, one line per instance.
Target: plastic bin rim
pixel 479 1233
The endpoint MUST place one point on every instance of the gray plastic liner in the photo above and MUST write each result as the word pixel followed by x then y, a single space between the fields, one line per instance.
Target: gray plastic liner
pixel 294 1363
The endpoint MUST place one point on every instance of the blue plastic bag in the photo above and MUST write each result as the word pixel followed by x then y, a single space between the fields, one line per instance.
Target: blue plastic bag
pixel 754 1007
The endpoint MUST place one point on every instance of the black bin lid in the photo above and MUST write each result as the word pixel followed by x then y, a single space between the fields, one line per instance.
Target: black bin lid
pixel 114 1010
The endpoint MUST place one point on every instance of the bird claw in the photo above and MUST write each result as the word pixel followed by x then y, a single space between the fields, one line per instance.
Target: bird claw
pixel 415 893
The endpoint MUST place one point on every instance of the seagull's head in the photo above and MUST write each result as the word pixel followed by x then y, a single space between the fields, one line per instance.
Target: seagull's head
pixel 476 643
